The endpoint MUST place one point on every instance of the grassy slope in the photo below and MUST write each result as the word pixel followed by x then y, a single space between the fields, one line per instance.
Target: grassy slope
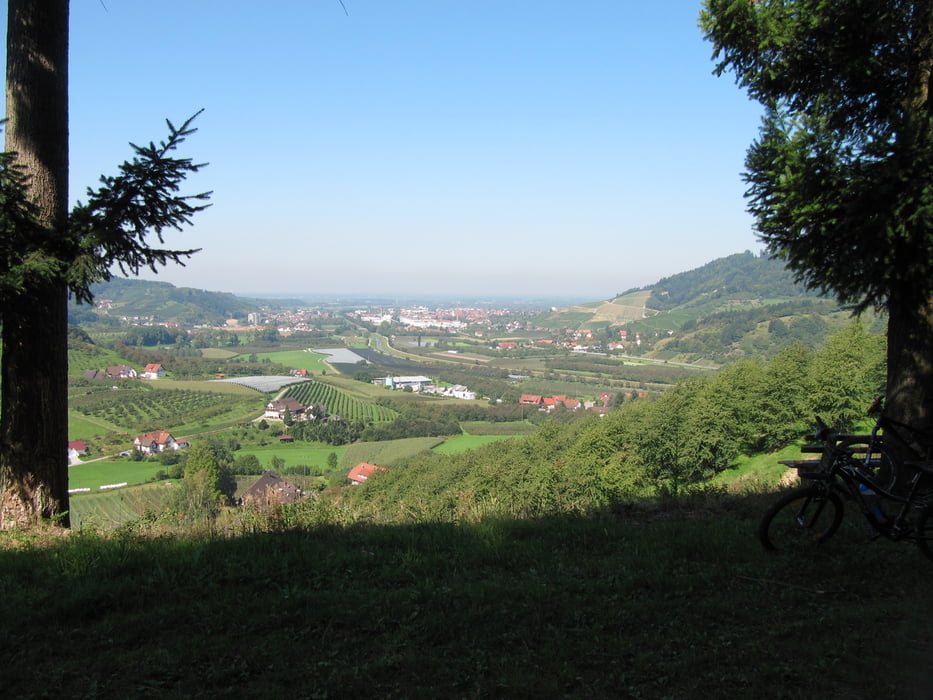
pixel 676 602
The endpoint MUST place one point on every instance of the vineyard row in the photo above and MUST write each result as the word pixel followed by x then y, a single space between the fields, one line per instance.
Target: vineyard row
pixel 338 403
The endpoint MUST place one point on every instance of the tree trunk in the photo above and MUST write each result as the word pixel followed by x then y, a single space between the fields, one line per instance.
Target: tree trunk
pixel 909 400
pixel 33 393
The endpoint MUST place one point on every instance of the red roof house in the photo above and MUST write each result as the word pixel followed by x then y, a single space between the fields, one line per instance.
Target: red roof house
pixel 362 471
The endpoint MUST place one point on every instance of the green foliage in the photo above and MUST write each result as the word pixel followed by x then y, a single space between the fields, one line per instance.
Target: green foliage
pixel 693 431
pixel 211 463
pixel 111 229
pixel 741 276
pixel 840 177
pixel 27 249
pixel 331 431
pixel 247 464
pixel 134 297
pixel 197 499
pixel 848 372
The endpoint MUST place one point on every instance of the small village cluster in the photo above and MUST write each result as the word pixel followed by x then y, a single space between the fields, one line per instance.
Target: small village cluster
pixel 550 403
pixel 150 371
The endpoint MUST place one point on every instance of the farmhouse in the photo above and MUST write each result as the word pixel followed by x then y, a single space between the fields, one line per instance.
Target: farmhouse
pixel 76 449
pixel 271 489
pixel 153 371
pixel 362 471
pixel 276 409
pixel 121 372
pixel 159 441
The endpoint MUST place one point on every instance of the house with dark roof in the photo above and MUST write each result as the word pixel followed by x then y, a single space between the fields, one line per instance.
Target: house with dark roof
pixel 276 409
pixel 271 489
pixel 121 372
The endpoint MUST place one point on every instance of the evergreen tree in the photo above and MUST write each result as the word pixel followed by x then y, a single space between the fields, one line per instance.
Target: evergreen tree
pixel 47 253
pixel 841 175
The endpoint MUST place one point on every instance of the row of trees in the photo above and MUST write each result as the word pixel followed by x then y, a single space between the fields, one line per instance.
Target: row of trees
pixel 691 432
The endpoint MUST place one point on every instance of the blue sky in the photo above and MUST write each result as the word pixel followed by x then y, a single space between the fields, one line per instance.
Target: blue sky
pixel 425 146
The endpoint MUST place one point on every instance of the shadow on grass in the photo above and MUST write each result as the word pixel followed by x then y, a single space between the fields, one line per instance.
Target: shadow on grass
pixel 674 599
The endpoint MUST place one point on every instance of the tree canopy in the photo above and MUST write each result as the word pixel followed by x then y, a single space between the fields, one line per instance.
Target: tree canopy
pixel 840 179
pixel 841 176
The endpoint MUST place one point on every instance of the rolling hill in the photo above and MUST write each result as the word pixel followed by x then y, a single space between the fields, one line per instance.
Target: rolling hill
pixel 162 301
pixel 740 305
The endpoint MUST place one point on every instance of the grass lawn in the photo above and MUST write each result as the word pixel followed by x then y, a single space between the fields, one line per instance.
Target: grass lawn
pixel 93 475
pixel 294 454
pixel 677 602
pixel 764 470
pixel 296 359
pixel 81 427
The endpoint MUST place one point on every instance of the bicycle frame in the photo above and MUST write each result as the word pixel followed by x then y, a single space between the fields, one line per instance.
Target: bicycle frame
pixel 845 473
pixel 810 514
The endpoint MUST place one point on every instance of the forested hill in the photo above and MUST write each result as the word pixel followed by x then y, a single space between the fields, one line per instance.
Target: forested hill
pixel 725 285
pixel 739 276
pixel 742 305
pixel 164 301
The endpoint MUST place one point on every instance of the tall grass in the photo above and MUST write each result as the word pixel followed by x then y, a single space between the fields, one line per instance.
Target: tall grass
pixel 670 598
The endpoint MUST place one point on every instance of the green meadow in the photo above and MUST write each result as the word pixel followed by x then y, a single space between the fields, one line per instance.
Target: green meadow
pixel 294 454
pixel 102 472
pixel 296 359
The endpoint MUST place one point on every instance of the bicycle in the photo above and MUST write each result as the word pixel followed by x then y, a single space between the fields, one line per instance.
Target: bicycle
pixel 811 514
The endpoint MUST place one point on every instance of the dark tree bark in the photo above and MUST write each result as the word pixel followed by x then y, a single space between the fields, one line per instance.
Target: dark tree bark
pixel 909 395
pixel 33 393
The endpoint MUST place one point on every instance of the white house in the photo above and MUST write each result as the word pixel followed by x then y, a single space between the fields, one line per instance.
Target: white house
pixel 153 371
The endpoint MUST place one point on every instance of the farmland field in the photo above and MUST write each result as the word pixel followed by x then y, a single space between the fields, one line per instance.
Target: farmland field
pixel 139 410
pixel 387 452
pixel 95 474
pixel 218 353
pixel 338 403
pixel 108 509
pixel 84 427
pixel 462 443
pixel 295 359
pixel 295 454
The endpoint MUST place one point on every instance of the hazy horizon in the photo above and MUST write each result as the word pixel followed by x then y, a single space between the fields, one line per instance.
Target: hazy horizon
pixel 534 147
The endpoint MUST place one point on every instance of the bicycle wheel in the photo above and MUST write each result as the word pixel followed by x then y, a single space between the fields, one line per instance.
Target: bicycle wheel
pixel 804 517
pixel 924 533
pixel 884 471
